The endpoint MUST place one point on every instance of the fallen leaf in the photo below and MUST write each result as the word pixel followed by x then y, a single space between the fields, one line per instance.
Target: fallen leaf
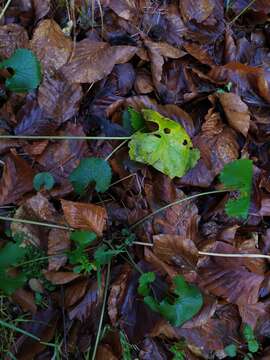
pixel 50 45
pixel 236 111
pixel 60 277
pixel 251 313
pixel 75 291
pixel 157 52
pixel 218 146
pixel 192 10
pixel 58 98
pixel 124 9
pixel 12 37
pixel 93 61
pixel 176 250
pixel 16 180
pixel 105 352
pixel 228 278
pixel 42 7
pixel 88 308
pixel 58 244
pixel 25 299
pixel 85 216
pixel 117 293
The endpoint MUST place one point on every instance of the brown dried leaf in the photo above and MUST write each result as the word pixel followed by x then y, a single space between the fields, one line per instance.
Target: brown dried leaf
pixel 59 98
pixel 143 83
pixel 42 7
pixel 12 37
pixel 17 179
pixel 218 146
pixel 117 294
pixel 25 299
pixel 75 291
pixel 37 208
pixel 157 52
pixel 198 11
pixel 51 46
pixel 229 278
pixel 123 8
pixel 176 250
pixel 60 277
pixel 236 111
pixel 88 308
pixel 105 352
pixel 250 313
pixel 152 350
pixel 93 61
pixel 85 216
pixel 58 243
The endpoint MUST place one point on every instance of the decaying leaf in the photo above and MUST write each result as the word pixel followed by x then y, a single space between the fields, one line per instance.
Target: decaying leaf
pixel 85 216
pixel 93 61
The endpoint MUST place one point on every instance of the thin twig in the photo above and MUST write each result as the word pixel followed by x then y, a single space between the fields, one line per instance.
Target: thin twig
pixel 32 222
pixel 43 137
pixel 102 311
pixel 242 12
pixel 5 9
pixel 177 202
pixel 253 256
pixel 116 149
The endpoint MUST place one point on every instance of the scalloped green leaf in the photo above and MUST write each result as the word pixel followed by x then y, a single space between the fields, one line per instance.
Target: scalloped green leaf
pixel 168 149
pixel 91 170
pixel 43 179
pixel 27 71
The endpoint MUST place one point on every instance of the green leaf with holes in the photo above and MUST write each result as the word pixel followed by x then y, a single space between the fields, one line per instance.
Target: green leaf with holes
pixel 168 149
pixel 91 170
pixel 27 71
pixel 132 120
pixel 43 179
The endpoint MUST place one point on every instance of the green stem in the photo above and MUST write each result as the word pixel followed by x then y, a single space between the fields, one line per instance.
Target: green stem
pixel 43 137
pixel 102 312
pixel 242 12
pixel 177 202
pixel 31 222
pixel 15 328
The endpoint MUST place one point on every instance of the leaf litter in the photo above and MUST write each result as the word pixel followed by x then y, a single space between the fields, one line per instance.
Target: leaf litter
pixel 149 238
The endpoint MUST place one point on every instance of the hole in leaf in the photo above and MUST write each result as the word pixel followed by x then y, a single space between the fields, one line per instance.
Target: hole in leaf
pixel 185 142
pixel 167 130
pixel 152 126
pixel 158 136
pixel 11 71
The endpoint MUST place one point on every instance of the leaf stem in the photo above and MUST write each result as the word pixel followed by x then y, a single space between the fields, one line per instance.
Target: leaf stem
pixel 21 331
pixel 116 149
pixel 177 202
pixel 242 12
pixel 46 137
pixel 32 222
pixel 5 9
pixel 255 256
pixel 102 312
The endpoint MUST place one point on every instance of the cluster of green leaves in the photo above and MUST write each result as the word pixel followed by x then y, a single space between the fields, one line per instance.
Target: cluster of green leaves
pixel 251 341
pixel 26 71
pixel 237 176
pixel 168 149
pixel 102 255
pixel 187 300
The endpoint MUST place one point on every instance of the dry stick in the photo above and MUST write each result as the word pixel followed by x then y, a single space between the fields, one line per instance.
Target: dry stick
pixel 177 202
pixel 258 256
pixel 242 12
pixel 43 137
pixel 5 9
pixel 32 222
